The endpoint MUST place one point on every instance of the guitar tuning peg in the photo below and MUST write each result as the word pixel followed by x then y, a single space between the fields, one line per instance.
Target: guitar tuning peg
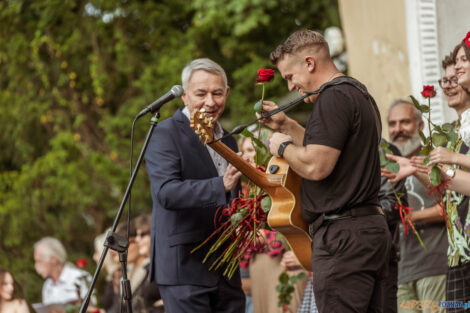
pixel 199 126
pixel 197 132
pixel 203 131
pixel 201 116
pixel 211 118
pixel 202 110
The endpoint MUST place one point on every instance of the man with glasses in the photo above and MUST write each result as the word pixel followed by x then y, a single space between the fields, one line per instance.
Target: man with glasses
pixel 457 205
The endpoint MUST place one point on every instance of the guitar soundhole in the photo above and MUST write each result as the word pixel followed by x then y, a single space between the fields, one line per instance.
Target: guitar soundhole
pixel 273 169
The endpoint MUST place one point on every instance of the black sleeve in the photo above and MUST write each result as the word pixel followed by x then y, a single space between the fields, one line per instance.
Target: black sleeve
pixel 331 120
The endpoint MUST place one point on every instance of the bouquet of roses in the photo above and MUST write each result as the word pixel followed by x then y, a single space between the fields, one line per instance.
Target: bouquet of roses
pixel 247 214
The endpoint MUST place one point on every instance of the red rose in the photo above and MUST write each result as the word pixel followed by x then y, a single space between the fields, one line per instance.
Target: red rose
pixel 81 263
pixel 467 39
pixel 428 92
pixel 265 75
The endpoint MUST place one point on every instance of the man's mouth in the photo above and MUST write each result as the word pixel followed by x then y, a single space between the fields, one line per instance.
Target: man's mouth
pixel 401 137
pixel 450 93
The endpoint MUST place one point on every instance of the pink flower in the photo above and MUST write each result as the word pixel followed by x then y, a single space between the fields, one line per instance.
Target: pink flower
pixel 81 263
pixel 428 92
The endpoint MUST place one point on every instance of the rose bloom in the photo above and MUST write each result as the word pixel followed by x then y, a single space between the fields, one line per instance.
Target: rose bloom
pixel 265 75
pixel 428 92
pixel 467 39
pixel 81 263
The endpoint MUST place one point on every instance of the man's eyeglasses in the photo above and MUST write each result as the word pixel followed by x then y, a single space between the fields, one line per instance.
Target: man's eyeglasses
pixel 453 82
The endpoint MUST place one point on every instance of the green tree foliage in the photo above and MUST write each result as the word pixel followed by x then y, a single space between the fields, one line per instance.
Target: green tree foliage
pixel 74 73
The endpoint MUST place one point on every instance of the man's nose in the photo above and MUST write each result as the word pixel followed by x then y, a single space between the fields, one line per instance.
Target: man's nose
pixel 210 100
pixel 290 86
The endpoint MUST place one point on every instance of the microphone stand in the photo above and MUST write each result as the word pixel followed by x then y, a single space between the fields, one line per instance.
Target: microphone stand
pixel 117 242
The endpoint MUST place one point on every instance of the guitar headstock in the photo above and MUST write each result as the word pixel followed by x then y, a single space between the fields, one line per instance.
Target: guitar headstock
pixel 202 124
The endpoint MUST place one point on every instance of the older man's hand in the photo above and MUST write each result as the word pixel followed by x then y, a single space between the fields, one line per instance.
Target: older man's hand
pixel 406 169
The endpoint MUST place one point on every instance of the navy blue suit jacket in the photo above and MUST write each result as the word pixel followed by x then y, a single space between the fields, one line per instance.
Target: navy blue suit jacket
pixel 186 193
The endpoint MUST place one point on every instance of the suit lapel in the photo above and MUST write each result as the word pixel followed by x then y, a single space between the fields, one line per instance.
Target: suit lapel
pixel 195 144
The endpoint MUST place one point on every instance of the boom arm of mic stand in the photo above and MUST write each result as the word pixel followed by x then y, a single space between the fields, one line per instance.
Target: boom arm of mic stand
pixel 153 123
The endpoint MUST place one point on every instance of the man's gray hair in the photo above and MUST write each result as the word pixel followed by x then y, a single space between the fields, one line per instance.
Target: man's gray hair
pixel 418 115
pixel 52 247
pixel 204 64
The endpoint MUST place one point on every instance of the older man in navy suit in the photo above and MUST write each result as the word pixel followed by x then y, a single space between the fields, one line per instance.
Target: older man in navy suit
pixel 189 181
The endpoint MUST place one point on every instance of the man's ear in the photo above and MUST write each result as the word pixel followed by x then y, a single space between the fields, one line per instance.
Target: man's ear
pixel 311 63
pixel 421 126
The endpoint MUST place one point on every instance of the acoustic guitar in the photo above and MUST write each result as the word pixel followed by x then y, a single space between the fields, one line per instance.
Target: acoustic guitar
pixel 280 182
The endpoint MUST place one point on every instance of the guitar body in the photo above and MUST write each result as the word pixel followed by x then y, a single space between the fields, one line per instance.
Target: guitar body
pixel 279 182
pixel 285 215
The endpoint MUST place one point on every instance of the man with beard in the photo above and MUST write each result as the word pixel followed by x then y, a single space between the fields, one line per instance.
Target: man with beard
pixel 421 273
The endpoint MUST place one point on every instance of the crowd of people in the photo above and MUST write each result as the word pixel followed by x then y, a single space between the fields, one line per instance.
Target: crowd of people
pixel 364 257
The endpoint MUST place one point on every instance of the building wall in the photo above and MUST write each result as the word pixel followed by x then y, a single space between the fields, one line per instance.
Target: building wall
pixel 453 23
pixel 376 41
pixel 396 47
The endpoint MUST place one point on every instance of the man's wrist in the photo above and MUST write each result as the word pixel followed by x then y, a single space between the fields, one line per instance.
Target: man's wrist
pixel 282 147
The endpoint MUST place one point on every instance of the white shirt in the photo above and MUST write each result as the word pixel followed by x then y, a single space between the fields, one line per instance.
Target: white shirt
pixel 219 162
pixel 72 281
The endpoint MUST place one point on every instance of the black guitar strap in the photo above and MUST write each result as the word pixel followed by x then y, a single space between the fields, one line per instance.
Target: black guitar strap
pixel 354 82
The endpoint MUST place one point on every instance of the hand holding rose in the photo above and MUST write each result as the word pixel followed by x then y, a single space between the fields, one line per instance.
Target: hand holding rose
pixel 442 155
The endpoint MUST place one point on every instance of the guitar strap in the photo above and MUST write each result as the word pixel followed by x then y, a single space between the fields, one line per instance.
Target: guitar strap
pixel 355 83
pixel 313 227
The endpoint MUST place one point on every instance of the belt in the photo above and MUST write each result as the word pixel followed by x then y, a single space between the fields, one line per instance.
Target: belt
pixel 354 212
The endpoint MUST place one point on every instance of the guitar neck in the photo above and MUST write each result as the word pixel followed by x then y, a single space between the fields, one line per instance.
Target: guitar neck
pixel 261 179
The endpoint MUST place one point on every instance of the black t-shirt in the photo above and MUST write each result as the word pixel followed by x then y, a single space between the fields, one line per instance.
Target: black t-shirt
pixel 343 118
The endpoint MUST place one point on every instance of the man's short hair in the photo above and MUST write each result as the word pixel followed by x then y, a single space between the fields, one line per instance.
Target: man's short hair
pixel 417 114
pixel 298 41
pixel 204 64
pixel 52 247
pixel 447 61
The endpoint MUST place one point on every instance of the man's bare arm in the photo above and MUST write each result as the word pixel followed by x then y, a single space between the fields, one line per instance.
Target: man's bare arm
pixel 428 215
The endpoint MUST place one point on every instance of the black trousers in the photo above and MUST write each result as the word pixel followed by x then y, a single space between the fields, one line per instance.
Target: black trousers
pixel 390 283
pixel 223 298
pixel 350 261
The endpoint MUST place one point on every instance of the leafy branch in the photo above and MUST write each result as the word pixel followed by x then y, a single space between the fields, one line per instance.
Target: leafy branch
pixel 439 136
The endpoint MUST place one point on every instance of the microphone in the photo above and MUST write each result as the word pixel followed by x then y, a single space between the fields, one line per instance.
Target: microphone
pixel 175 92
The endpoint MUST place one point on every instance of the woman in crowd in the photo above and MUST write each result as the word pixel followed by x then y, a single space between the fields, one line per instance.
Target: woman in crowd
pixel 11 300
pixel 461 57
pixel 146 295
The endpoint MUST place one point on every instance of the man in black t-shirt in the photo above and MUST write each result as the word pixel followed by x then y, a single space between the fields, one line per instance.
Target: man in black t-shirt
pixel 337 157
